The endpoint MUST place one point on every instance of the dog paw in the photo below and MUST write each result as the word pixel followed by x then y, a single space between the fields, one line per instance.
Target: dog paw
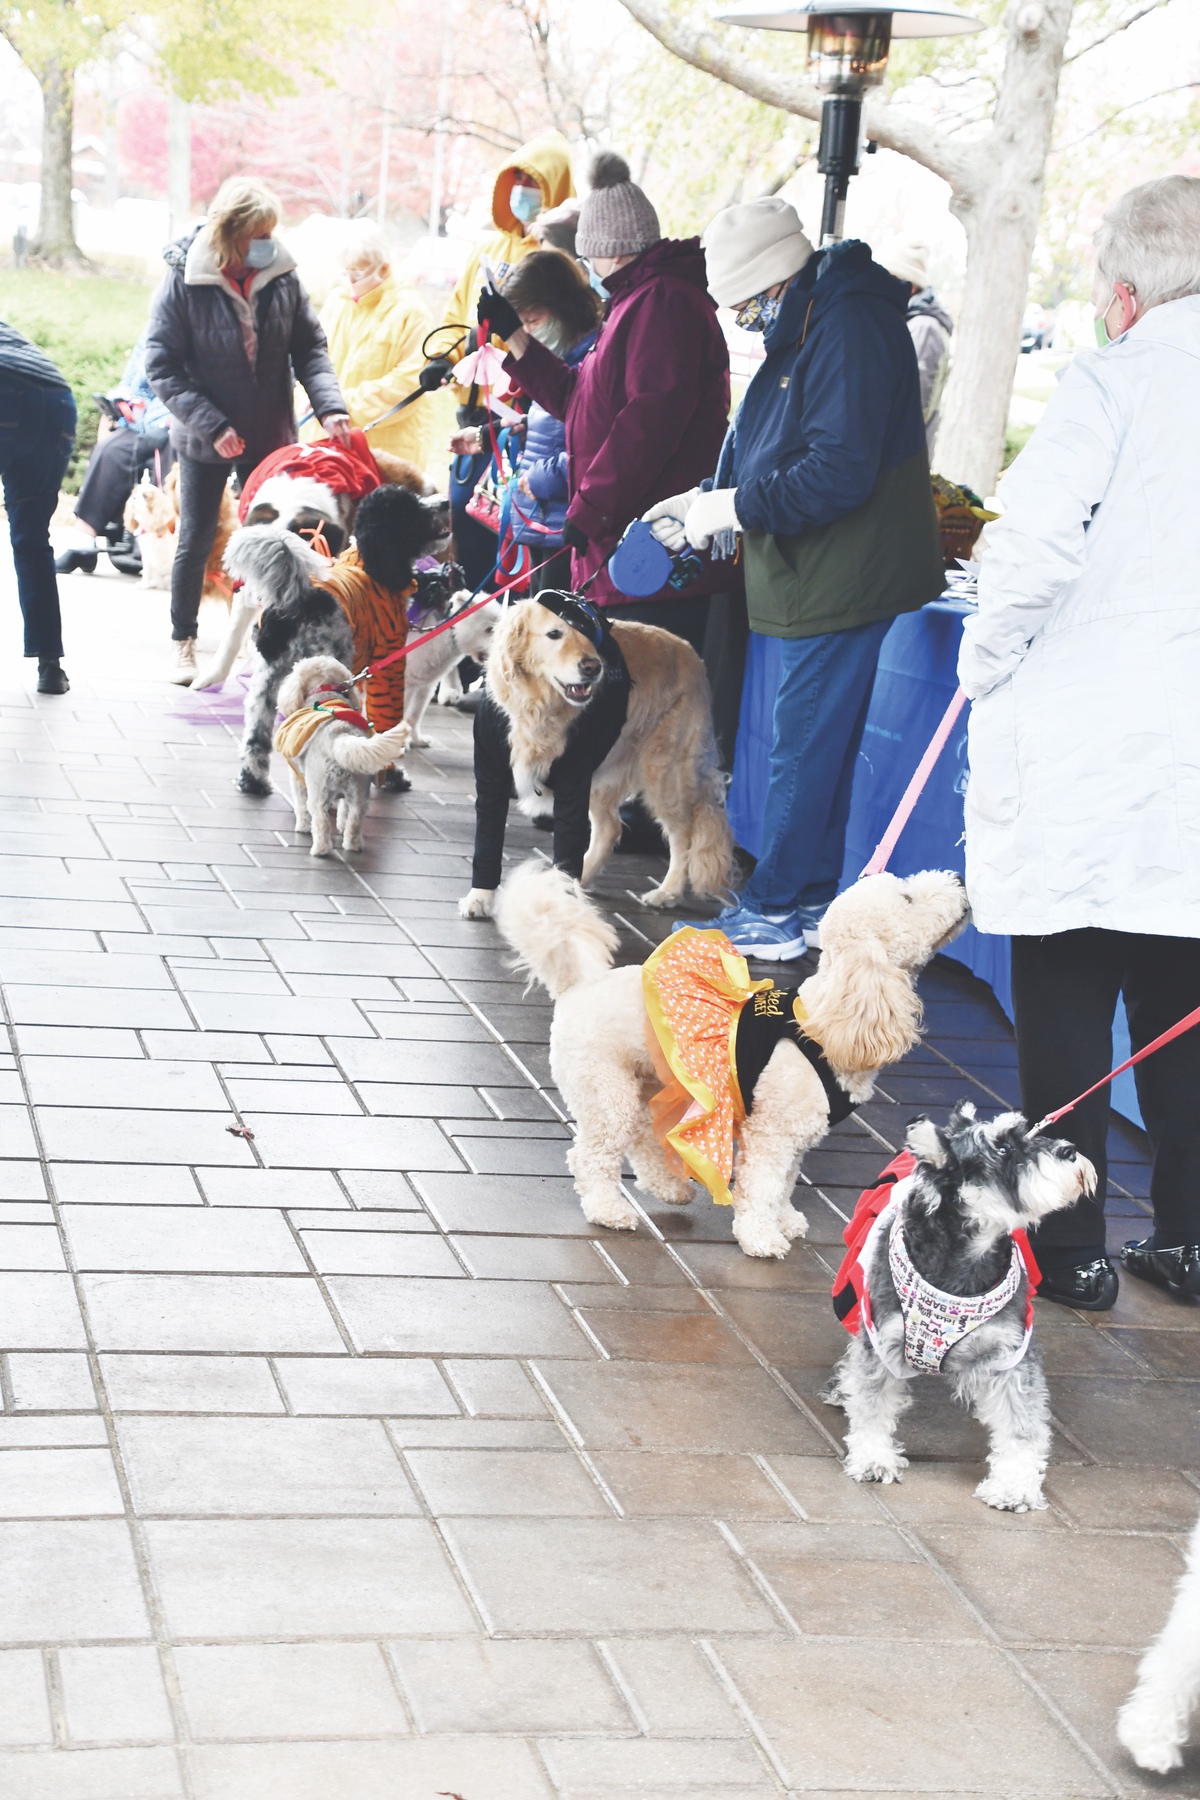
pixel 660 898
pixel 883 1469
pixel 614 1213
pixel 758 1239
pixel 246 783
pixel 321 850
pixel 419 741
pixel 1150 1734
pixel 793 1224
pixel 1010 1496
pixel 672 1193
pixel 478 904
pixel 207 678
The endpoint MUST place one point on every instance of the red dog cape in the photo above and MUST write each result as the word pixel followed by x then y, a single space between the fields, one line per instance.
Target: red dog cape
pixel 347 469
pixel 933 1321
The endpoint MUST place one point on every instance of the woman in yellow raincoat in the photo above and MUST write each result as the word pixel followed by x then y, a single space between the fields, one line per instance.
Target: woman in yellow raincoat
pixel 375 330
pixel 537 179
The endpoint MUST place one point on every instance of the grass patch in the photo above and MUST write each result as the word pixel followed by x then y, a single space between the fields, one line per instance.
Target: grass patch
pixel 88 324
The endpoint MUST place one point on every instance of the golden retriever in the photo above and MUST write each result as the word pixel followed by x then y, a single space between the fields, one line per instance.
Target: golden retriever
pixel 541 671
pixel 862 1009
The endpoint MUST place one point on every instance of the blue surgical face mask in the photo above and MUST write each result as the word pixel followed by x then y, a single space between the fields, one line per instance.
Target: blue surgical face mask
pixel 758 313
pixel 526 203
pixel 261 253
pixel 595 281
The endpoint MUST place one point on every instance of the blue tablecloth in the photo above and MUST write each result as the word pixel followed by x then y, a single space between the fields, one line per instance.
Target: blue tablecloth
pixel 914 685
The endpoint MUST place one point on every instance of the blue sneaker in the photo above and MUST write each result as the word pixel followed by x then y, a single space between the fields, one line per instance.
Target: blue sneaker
pixel 810 917
pixel 779 939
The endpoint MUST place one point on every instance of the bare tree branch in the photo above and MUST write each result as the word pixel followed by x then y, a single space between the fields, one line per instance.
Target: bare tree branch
pixel 1181 87
pixel 892 126
pixel 1113 30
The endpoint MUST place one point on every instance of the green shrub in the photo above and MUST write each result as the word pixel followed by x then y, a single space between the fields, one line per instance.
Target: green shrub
pixel 88 324
pixel 1015 439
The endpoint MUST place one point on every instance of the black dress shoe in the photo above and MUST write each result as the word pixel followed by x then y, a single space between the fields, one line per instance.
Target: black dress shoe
pixel 71 560
pixel 1177 1269
pixel 1092 1287
pixel 52 677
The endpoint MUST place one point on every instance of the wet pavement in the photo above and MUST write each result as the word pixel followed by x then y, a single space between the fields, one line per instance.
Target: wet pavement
pixel 345 1460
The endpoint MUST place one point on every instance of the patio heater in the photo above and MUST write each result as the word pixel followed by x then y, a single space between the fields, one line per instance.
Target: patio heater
pixel 847 54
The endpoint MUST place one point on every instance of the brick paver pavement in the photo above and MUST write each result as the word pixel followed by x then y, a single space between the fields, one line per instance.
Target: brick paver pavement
pixel 347 1461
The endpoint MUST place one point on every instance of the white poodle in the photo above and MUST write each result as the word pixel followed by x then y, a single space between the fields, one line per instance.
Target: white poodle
pixel 1153 1723
pixel 862 1011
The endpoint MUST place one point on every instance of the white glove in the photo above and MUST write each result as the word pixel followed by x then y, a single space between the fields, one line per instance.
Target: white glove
pixel 708 514
pixel 666 519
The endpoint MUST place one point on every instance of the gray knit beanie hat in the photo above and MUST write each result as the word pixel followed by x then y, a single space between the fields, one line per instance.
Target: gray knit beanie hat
pixel 616 218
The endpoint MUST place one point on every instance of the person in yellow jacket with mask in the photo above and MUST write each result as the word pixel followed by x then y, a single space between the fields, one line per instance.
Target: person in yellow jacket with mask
pixel 376 330
pixel 537 179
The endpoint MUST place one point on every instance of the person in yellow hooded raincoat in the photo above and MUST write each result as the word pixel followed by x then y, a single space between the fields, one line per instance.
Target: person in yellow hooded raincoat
pixel 376 330
pixel 537 178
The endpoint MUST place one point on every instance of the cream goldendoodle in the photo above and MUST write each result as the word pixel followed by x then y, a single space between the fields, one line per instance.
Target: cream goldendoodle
pixel 860 1011
pixel 1154 1722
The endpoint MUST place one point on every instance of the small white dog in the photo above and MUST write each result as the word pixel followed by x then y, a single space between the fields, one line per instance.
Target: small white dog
pixel 151 516
pixel 435 665
pixel 332 757
pixel 1153 1723
pixel 942 1287
pixel 860 1008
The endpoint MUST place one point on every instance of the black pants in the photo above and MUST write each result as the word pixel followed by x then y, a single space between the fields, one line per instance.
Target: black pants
pixel 555 571
pixel 37 435
pixel 725 641
pixel 1065 992
pixel 201 487
pixel 114 470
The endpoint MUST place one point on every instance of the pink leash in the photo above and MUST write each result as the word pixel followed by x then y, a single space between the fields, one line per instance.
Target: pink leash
pixel 915 788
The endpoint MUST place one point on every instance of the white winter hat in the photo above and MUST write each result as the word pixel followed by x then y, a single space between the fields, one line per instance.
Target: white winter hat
pixel 907 259
pixel 750 247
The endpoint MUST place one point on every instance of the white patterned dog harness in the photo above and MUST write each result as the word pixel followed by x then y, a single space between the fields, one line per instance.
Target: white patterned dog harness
pixel 935 1321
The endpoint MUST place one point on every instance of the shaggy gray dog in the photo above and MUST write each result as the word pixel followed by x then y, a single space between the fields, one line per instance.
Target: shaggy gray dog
pixel 974 1185
pixel 298 620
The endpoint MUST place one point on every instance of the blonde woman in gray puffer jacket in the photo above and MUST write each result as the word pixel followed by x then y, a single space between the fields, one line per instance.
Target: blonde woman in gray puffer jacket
pixel 231 330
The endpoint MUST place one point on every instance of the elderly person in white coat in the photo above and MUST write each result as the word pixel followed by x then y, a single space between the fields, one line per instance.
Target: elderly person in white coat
pixel 1083 808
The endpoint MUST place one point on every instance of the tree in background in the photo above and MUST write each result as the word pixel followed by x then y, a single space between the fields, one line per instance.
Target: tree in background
pixel 54 39
pixel 980 113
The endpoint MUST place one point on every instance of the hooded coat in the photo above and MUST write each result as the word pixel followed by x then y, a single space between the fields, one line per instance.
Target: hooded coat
pixel 548 159
pixel 646 413
pixel 829 459
pixel 1083 661
pixel 930 327
pixel 375 344
pixel 216 358
pixel 545 465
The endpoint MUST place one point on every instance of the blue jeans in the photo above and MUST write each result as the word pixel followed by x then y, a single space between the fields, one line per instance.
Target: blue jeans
pixel 37 434
pixel 820 713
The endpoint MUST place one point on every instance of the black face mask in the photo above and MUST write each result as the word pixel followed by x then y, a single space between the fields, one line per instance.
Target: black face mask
pixel 573 610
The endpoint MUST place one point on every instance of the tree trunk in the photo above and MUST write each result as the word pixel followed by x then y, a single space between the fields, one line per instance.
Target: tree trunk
pixel 1000 212
pixel 179 163
pixel 55 241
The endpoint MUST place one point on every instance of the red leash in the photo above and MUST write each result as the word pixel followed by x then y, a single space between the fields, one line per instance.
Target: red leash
pixel 1192 1019
pixel 427 637
pixel 915 788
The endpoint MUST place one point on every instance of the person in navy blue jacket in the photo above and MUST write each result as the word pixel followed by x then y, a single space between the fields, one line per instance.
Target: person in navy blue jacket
pixel 558 306
pixel 826 477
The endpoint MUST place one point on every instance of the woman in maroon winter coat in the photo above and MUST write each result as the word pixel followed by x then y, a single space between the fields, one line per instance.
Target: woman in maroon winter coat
pixel 646 413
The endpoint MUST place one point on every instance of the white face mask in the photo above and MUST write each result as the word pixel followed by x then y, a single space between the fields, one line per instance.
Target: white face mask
pixel 261 253
pixel 553 333
pixel 361 285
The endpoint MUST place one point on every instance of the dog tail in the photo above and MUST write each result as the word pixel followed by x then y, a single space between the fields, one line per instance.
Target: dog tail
pixel 241 617
pixel 710 844
pixel 367 755
pixel 560 938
